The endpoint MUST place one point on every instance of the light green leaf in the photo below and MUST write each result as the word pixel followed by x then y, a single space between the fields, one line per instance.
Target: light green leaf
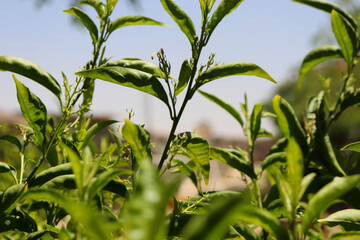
pixel 93 130
pixel 30 70
pixel 138 139
pixel 197 149
pixel 316 57
pixel 349 219
pixel 51 173
pixel 295 169
pixel 345 235
pixel 130 20
pixel 129 78
pixel 144 218
pixel 86 20
pixel 329 7
pixel 224 156
pixel 305 182
pixel 345 37
pixel 184 76
pixel 255 121
pixel 333 190
pixel 181 18
pixel 231 69
pixel 186 170
pixel 224 105
pixel 225 7
pixel 355 146
pixel 138 64
pixel 329 153
pixel 34 112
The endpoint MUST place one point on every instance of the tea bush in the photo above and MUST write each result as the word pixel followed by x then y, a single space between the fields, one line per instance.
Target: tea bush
pixel 68 187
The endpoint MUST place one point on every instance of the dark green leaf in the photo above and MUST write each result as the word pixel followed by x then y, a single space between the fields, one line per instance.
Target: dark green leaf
pixel 63 182
pixel 345 37
pixel 12 139
pixel 95 129
pixel 130 20
pixel 231 69
pixel 240 230
pixel 345 235
pixel 129 78
pixel 351 97
pixel 224 156
pixel 328 151
pixel 224 105
pixel 138 139
pixel 10 196
pixel 329 7
pixel 17 219
pixel 225 7
pixel 181 18
pixel 316 57
pixel 86 20
pixel 349 219
pixel 51 173
pixel 32 71
pixel 184 76
pixel 6 168
pixel 138 64
pixel 336 188
pixel 33 110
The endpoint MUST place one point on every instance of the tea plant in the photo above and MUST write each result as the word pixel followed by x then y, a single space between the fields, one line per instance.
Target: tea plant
pixel 80 190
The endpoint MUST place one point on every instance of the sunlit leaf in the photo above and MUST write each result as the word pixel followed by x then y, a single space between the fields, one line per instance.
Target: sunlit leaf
pixel 86 20
pixel 232 69
pixel 349 219
pixel 97 5
pixel 355 146
pixel 181 18
pixel 129 78
pixel 271 159
pixel 130 20
pixel 255 121
pixel 32 71
pixel 316 57
pixel 224 105
pixel 93 130
pixel 33 110
pixel 184 76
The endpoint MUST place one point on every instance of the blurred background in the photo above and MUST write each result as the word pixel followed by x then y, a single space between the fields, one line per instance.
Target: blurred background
pixel 276 35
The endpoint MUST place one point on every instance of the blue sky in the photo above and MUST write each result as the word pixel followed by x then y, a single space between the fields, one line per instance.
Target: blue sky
pixel 276 35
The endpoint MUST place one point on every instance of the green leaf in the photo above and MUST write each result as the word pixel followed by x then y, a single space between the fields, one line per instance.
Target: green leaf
pixel 138 64
pixel 144 218
pixel 30 70
pixel 224 105
pixel 197 149
pixel 10 196
pixel 225 7
pixel 351 97
pixel 97 5
pixel 330 192
pixel 186 170
pixel 329 7
pixel 12 139
pixel 240 230
pixel 86 20
pixel 345 235
pixel 231 69
pixel 129 78
pixel 102 180
pixel 295 168
pixel 345 37
pixel 316 57
pixel 34 112
pixel 6 168
pixel 63 182
pixel 17 219
pixel 255 121
pixel 138 139
pixel 272 159
pixel 51 173
pixel 93 130
pixel 184 76
pixel 289 123
pixel 130 20
pixel 349 219
pixel 181 19
pixel 224 156
pixel 355 146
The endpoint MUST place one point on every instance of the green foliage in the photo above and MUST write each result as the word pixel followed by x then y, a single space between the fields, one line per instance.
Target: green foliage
pixel 112 190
